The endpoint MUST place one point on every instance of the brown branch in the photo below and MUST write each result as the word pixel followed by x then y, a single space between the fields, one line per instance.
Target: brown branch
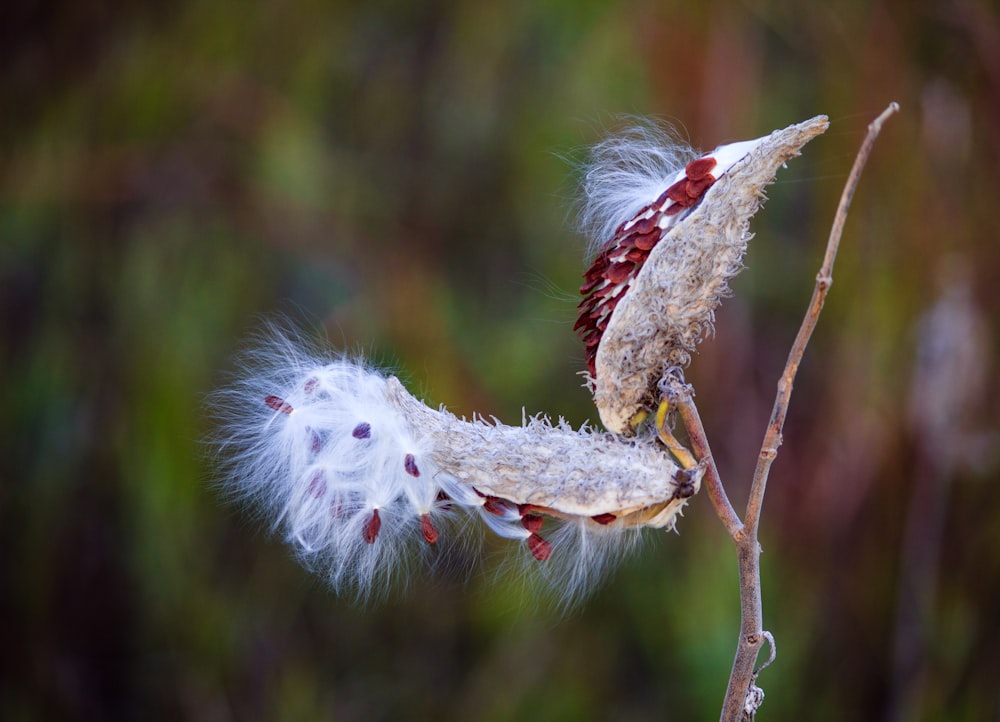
pixel 752 633
pixel 681 397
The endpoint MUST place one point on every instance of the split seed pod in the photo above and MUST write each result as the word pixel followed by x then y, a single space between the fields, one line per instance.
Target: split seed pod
pixel 651 293
pixel 361 477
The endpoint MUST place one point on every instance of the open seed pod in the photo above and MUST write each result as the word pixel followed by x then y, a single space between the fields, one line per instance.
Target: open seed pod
pixel 651 293
pixel 361 477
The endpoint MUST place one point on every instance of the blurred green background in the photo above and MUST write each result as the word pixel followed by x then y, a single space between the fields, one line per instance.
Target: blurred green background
pixel 399 177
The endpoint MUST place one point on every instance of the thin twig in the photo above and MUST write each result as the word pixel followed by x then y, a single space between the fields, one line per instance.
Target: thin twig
pixel 681 396
pixel 747 546
pixel 824 279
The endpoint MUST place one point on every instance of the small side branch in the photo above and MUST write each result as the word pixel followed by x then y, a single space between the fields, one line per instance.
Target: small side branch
pixel 680 396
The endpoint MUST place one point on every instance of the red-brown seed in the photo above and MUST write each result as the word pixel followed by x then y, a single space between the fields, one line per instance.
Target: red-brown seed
pixel 317 484
pixel 618 272
pixel 646 241
pixel 596 269
pixel 278 404
pixel 604 290
pixel 311 385
pixel 362 430
pixel 591 285
pixel 427 529
pixel 540 549
pixel 636 255
pixel 696 187
pixel 496 505
pixel 532 522
pixel 316 442
pixel 600 310
pixel 611 303
pixel 678 191
pixel 673 210
pixel 604 519
pixel 698 169
pixel 644 225
pixel 372 527
pixel 410 464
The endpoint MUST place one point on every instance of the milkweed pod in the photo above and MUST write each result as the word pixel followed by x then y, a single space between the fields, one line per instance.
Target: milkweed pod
pixel 651 293
pixel 363 479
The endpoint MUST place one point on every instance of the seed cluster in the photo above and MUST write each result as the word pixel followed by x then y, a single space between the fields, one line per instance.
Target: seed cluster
pixel 607 280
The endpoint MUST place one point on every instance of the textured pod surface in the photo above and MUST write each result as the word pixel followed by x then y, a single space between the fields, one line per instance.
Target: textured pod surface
pixel 554 468
pixel 664 301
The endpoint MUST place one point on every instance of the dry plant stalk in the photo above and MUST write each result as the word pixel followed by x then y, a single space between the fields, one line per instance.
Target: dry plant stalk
pixel 743 697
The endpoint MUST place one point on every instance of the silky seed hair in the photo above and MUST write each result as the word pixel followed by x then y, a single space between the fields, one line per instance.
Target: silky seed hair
pixel 624 171
pixel 651 292
pixel 366 482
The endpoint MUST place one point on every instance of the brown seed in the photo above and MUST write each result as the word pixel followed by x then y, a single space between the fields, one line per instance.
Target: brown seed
pixel 496 505
pixel 604 290
pixel 591 285
pixel 646 241
pixel 278 404
pixel 310 385
pixel 610 304
pixel 362 430
pixel 636 255
pixel 410 464
pixel 678 191
pixel 532 522
pixel 618 272
pixel 540 549
pixel 427 529
pixel 596 269
pixel 317 484
pixel 372 527
pixel 696 187
pixel 599 310
pixel 698 169
pixel 645 225
pixel 604 519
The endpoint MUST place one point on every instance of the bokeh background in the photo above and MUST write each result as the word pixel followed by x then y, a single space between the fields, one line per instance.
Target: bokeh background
pixel 399 177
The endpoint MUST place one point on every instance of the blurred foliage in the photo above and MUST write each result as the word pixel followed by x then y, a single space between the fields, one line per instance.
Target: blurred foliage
pixel 396 174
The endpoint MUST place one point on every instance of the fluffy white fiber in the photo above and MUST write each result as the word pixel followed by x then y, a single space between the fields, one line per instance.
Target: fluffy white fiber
pixel 363 480
pixel 624 173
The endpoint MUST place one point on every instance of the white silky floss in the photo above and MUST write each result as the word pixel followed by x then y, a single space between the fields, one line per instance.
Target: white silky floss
pixel 362 478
